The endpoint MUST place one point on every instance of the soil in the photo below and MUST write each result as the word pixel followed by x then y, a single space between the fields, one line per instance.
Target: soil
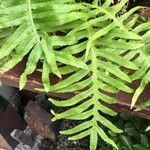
pixel 61 142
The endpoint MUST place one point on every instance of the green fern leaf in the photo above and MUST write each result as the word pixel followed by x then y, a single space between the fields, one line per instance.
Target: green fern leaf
pixel 31 65
pixel 93 46
pixel 105 61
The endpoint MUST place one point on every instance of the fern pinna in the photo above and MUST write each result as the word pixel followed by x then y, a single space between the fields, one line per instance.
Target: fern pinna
pixel 91 45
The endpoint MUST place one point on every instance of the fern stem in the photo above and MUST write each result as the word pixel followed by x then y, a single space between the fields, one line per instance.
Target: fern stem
pixel 101 9
pixel 32 22
pixel 95 81
pixel 95 2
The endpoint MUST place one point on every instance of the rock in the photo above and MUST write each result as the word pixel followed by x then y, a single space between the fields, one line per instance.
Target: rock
pixel 22 147
pixel 10 120
pixel 24 138
pixel 11 95
pixel 39 120
pixel 4 144
pixel 3 104
pixel 29 140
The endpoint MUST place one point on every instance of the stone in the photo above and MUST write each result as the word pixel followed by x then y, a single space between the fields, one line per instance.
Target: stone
pixel 11 95
pixel 39 120
pixel 24 138
pixel 10 120
pixel 4 144
pixel 29 140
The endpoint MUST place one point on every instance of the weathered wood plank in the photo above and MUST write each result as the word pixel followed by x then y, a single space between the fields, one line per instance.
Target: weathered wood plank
pixel 11 78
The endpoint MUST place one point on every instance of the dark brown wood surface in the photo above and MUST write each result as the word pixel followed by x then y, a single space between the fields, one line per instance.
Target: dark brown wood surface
pixel 11 78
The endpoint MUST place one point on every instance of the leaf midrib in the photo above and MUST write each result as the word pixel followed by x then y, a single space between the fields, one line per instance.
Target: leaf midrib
pixel 32 21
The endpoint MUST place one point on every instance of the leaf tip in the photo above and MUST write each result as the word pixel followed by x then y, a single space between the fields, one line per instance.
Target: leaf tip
pixel 132 105
pixel 147 129
pixel 137 109
pixel 61 132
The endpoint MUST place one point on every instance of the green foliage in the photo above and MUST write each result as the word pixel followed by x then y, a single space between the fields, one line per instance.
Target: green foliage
pixel 143 105
pixel 31 33
pixel 142 60
pixel 92 45
pixel 134 136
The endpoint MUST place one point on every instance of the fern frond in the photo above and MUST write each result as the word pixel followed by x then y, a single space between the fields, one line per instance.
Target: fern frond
pixel 104 47
pixel 33 59
pixel 29 19
pixel 45 76
pixel 143 61
pixel 93 46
